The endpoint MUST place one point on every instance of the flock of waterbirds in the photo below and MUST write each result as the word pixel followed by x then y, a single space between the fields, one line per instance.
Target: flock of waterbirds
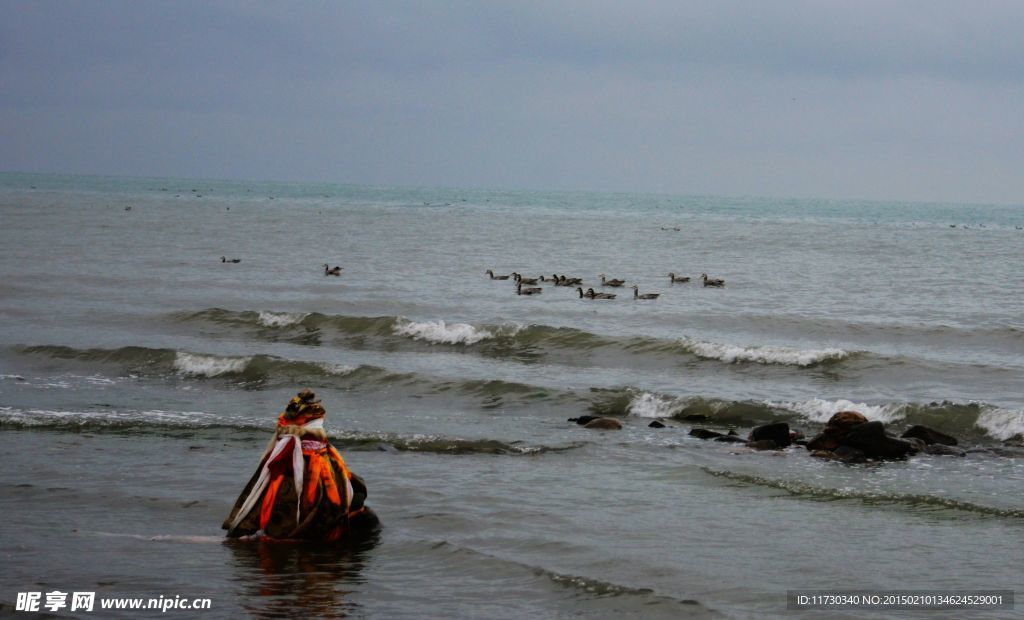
pixel 526 286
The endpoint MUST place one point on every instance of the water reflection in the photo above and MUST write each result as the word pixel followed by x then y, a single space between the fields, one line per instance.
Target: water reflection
pixel 287 580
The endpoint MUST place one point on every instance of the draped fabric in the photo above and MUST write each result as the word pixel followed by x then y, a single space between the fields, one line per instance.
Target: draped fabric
pixel 302 489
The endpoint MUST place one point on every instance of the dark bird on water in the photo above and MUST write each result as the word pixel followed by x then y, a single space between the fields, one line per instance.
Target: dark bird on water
pixel 637 295
pixel 519 278
pixel 528 290
pixel 712 281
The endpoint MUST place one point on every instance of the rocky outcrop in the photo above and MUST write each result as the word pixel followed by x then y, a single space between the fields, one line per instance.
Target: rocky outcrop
pixel 730 439
pixel 835 430
pixel 594 422
pixel 604 424
pixel 703 433
pixel 938 449
pixel 777 432
pixel 875 443
pixel 928 435
pixel 849 437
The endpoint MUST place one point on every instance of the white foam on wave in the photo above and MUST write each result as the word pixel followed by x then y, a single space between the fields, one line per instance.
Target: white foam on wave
pixel 43 416
pixel 820 410
pixel 767 354
pixel 280 319
pixel 1001 423
pixel 649 405
pixel 66 382
pixel 439 332
pixel 208 365
pixel 339 370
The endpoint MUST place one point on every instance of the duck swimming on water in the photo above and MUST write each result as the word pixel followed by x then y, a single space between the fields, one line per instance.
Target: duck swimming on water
pixel 230 260
pixel 605 282
pixel 637 295
pixel 332 271
pixel 494 277
pixel 592 295
pixel 673 278
pixel 528 290
pixel 718 282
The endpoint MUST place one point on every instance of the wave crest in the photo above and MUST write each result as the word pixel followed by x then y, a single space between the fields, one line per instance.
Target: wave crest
pixel 439 332
pixel 194 364
pixel 1001 423
pixel 732 354
pixel 820 410
pixel 280 319
pixel 649 405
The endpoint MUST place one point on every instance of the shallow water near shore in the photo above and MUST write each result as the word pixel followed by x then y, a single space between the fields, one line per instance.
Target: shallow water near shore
pixel 140 377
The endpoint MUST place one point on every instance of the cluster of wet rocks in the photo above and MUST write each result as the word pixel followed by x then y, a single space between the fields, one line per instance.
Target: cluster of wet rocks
pixel 848 437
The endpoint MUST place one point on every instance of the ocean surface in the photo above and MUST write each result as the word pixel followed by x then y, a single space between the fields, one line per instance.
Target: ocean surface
pixel 140 377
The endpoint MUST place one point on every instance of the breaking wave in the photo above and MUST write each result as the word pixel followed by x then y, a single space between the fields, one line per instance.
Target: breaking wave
pixel 1002 423
pixel 968 420
pixel 819 410
pixel 208 365
pixel 733 354
pixel 442 333
pixel 187 424
pixel 648 405
pixel 513 341
pixel 254 369
pixel 280 319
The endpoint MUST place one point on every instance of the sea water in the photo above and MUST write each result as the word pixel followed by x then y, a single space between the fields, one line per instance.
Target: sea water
pixel 140 377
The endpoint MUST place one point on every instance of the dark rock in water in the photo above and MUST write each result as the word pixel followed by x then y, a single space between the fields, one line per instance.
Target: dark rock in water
pixel 929 435
pixel 871 438
pixel 939 449
pixel 801 442
pixel 730 439
pixel 656 424
pixel 845 420
pixel 763 444
pixel 846 454
pixel 703 433
pixel 777 432
pixel 823 441
pixel 604 424
pixel 823 454
pixel 1017 441
pixel 583 419
pixel 837 427
pixel 918 444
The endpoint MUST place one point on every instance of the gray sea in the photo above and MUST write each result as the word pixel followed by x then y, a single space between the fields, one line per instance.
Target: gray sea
pixel 140 378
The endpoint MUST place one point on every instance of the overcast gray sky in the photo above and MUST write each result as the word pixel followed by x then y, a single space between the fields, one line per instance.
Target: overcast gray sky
pixel 883 100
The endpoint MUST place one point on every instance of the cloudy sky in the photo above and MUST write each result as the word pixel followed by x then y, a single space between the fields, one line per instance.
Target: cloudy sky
pixel 879 100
